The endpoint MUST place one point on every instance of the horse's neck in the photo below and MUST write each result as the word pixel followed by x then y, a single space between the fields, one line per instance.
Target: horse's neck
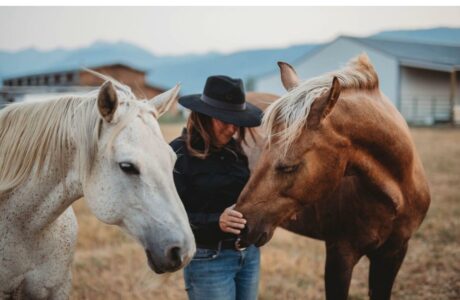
pixel 383 150
pixel 40 201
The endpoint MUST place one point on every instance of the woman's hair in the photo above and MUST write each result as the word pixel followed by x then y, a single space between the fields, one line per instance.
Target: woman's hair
pixel 200 130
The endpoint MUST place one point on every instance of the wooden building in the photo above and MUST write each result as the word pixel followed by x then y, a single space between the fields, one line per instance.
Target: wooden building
pixel 75 81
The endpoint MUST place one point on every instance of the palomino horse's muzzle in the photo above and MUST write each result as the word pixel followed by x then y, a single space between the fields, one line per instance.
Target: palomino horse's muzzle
pixel 250 236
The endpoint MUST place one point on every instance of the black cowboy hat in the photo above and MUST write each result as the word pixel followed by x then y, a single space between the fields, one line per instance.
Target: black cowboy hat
pixel 223 98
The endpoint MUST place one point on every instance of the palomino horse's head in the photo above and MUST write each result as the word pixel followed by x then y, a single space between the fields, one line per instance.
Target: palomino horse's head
pixel 304 158
pixel 130 182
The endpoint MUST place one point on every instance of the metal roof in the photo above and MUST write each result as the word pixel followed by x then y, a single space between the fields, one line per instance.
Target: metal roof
pixel 423 55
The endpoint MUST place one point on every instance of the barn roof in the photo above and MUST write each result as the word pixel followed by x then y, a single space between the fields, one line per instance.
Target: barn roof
pixel 412 54
pixel 424 55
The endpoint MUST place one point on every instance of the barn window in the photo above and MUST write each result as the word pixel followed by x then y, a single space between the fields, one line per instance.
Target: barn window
pixel 69 77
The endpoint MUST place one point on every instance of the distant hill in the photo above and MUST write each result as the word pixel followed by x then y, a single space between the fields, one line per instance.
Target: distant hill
pixel 439 35
pixel 28 60
pixel 190 70
pixel 244 64
pixel 99 53
pixel 162 71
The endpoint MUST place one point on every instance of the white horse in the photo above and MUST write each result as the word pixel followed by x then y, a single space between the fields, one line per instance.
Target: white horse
pixel 107 147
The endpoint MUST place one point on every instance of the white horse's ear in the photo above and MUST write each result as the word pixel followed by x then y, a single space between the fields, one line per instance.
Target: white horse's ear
pixel 107 101
pixel 289 76
pixel 164 101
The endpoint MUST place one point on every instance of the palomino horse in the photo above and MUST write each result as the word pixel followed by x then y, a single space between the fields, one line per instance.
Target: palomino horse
pixel 339 165
pixel 107 147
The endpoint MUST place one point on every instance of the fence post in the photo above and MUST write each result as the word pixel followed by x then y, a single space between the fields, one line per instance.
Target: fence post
pixel 453 88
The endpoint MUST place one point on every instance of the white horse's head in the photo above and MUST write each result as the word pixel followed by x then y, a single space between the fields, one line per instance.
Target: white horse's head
pixel 130 182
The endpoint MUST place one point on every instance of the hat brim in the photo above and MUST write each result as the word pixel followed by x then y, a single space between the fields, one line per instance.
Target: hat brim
pixel 250 117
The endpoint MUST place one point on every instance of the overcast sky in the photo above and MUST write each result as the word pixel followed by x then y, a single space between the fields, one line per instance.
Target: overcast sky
pixel 179 30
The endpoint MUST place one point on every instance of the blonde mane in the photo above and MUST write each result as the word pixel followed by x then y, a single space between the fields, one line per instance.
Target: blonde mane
pixel 287 117
pixel 33 132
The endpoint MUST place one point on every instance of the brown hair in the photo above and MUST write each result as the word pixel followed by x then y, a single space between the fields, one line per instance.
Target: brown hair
pixel 199 129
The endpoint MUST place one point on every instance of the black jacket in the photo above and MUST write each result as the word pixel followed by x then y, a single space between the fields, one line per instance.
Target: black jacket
pixel 208 186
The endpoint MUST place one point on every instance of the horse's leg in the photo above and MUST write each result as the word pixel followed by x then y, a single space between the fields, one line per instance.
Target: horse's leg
pixel 383 270
pixel 62 292
pixel 340 261
pixel 16 294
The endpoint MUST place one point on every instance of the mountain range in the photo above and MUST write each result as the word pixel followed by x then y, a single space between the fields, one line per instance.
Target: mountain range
pixel 190 70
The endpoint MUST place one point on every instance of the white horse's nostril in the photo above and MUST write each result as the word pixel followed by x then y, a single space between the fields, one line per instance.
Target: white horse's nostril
pixel 175 256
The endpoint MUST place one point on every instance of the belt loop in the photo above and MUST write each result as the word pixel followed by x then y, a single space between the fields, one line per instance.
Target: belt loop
pixel 237 245
pixel 219 246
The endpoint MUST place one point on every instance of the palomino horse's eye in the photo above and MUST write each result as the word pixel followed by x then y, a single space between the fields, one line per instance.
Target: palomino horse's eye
pixel 129 168
pixel 287 169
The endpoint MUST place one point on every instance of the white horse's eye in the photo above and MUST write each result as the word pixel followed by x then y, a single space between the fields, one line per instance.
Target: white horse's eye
pixel 129 168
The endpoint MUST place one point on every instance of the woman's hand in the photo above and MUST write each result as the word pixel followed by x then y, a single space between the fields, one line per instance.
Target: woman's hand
pixel 231 221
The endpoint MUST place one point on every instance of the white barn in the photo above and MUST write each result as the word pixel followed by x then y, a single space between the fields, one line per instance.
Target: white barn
pixel 420 79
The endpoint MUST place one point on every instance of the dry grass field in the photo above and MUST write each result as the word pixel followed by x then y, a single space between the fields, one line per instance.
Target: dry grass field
pixel 110 265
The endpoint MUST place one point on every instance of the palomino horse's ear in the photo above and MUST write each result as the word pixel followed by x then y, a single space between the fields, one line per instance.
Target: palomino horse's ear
pixel 164 101
pixel 289 76
pixel 107 101
pixel 322 106
pixel 334 94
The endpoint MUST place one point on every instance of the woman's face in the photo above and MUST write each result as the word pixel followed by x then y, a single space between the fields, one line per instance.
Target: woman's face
pixel 223 131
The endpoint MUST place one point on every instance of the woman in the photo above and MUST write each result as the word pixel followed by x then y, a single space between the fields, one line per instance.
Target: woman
pixel 210 172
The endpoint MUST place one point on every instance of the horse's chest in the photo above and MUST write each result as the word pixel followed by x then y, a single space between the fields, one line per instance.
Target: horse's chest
pixel 50 250
pixel 15 258
pixel 366 221
pixel 352 213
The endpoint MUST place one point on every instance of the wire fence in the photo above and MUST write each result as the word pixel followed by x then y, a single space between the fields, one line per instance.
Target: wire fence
pixel 426 109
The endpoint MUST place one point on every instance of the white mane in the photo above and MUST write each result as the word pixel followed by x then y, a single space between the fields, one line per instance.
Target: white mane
pixel 32 133
pixel 287 117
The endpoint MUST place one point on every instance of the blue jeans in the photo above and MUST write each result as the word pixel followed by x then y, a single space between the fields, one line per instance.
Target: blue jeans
pixel 225 274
